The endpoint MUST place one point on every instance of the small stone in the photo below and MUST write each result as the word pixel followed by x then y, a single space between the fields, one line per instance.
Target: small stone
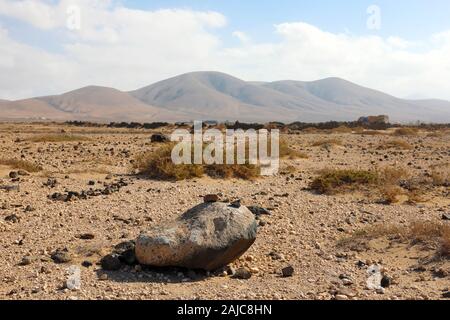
pixel 386 281
pixel 380 291
pixel 242 273
pixel 12 218
pixel 22 173
pixel 210 198
pixel 86 236
pixel 258 211
pixel 347 282
pixel 61 256
pixel 446 216
pixel 341 297
pixel 446 295
pixel 86 264
pixel 27 260
pixel 254 270
pixel 236 204
pixel 91 183
pixel 160 138
pixel 111 262
pixel 103 277
pixel 29 208
pixel 13 174
pixel 288 271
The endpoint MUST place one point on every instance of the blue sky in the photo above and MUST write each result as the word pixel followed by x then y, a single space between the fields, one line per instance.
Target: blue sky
pixel 411 19
pixel 128 44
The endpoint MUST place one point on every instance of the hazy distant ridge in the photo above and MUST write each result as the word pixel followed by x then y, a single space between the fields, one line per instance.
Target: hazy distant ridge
pixel 218 96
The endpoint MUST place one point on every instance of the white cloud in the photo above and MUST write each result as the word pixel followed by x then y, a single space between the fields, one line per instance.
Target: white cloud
pixel 129 48
pixel 241 36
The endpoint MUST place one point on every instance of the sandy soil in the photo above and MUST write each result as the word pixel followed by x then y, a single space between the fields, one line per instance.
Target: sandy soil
pixel 303 231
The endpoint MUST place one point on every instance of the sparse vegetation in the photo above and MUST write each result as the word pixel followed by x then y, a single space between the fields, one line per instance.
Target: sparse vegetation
pixel 21 165
pixel 395 144
pixel 406 131
pixel 371 133
pixel 332 181
pixel 440 175
pixel 341 129
pixel 326 143
pixel 418 232
pixel 159 165
pixel 385 181
pixel 63 137
pixel 288 152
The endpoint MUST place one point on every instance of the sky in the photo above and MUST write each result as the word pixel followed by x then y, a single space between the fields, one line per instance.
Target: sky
pixel 53 46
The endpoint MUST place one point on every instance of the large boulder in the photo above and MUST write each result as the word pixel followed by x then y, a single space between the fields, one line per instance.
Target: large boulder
pixel 208 236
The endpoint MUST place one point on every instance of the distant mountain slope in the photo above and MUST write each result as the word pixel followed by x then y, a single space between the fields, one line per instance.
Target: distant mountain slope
pixel 106 103
pixel 218 96
pixel 29 109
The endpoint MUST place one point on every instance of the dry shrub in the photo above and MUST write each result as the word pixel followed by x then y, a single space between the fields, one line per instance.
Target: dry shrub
pixel 358 130
pixel 332 181
pixel 159 165
pixel 342 129
pixel 391 193
pixel 21 165
pixel 406 132
pixel 395 144
pixel 289 170
pixel 372 133
pixel 310 130
pixel 392 175
pixel 417 232
pixel 440 175
pixel 326 143
pixel 435 134
pixel 58 138
pixel 287 152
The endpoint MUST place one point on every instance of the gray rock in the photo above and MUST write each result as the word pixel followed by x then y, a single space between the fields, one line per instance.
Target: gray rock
pixel 288 271
pixel 61 256
pixel 242 273
pixel 111 262
pixel 13 174
pixel 23 173
pixel 258 211
pixel 159 137
pixel 208 236
pixel 211 198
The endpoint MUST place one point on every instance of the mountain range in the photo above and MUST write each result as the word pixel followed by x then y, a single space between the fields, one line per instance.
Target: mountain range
pixel 218 96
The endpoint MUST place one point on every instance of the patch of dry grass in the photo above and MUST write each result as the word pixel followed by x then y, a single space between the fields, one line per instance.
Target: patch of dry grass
pixel 386 182
pixel 406 132
pixel 63 137
pixel 326 143
pixel 286 151
pixel 432 233
pixel 395 144
pixel 440 175
pixel 371 133
pixel 159 165
pixel 341 129
pixel 332 181
pixel 21 165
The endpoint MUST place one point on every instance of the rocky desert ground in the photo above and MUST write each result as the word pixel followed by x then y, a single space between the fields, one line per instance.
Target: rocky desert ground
pixel 70 200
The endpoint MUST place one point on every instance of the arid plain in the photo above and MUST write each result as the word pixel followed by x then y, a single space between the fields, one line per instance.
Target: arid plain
pixel 344 200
